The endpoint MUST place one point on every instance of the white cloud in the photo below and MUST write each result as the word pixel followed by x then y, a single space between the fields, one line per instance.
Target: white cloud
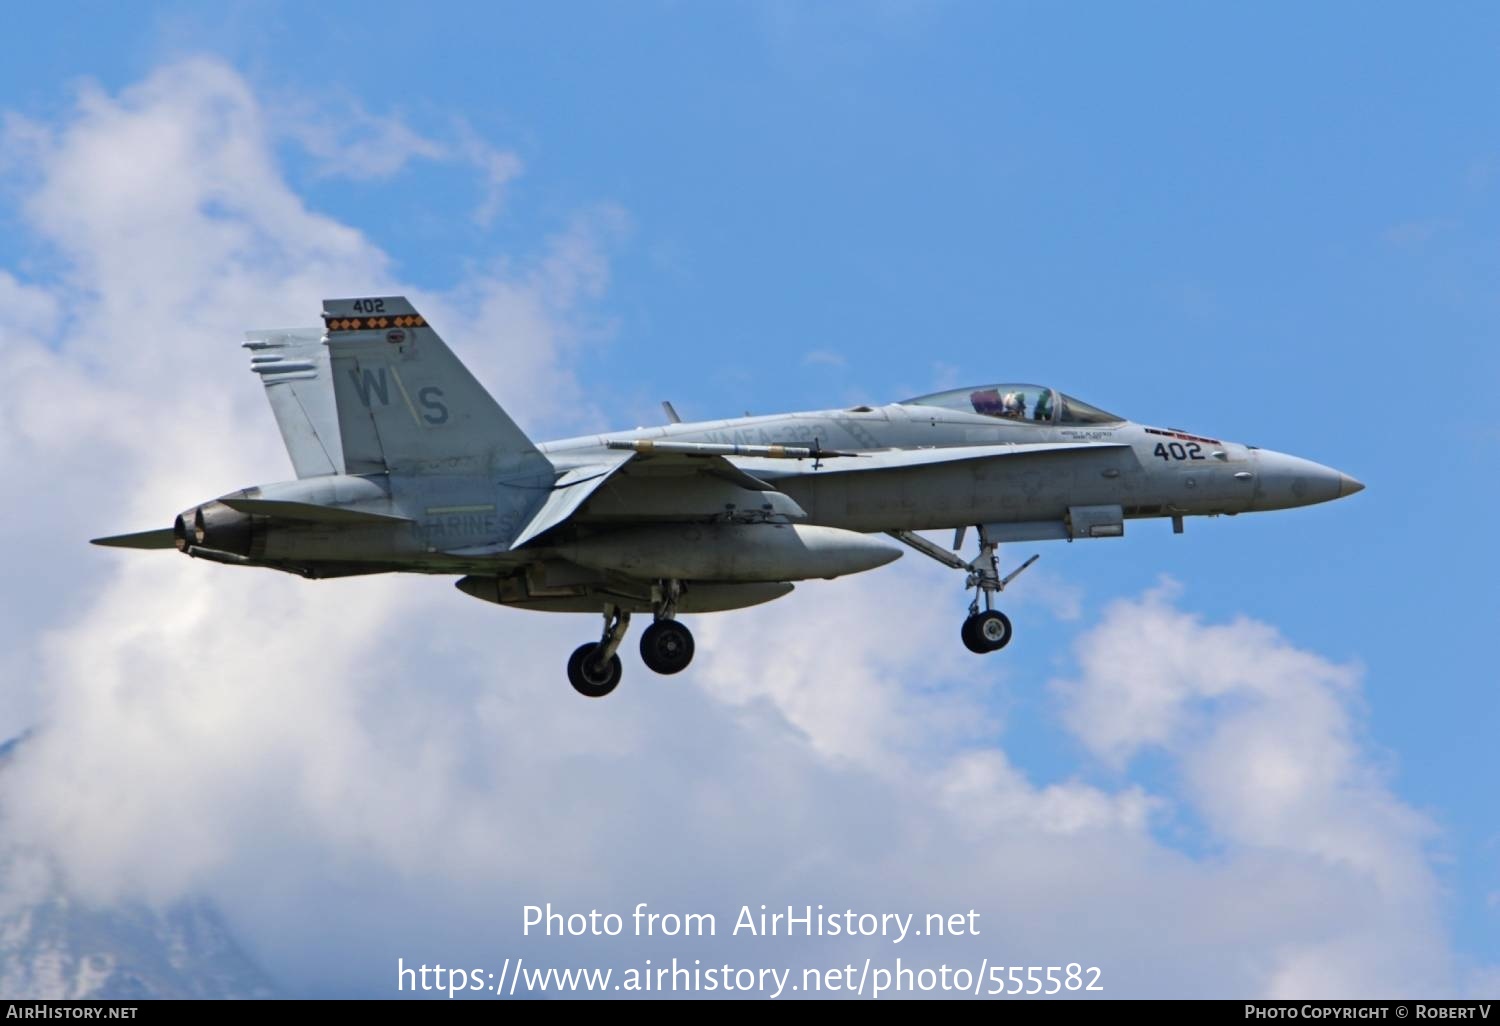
pixel 521 329
pixel 1267 736
pixel 32 313
pixel 1266 740
pixel 985 790
pixel 348 141
pixel 355 144
pixel 854 693
pixel 497 169
pixel 360 769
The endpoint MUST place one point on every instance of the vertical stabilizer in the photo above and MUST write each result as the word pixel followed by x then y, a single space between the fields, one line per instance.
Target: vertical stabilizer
pixel 407 405
pixel 294 368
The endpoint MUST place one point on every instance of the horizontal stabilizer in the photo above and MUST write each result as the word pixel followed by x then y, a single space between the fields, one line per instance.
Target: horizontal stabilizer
pixel 307 511
pixel 159 539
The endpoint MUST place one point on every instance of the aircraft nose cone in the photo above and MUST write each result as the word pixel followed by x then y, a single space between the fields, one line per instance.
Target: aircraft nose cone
pixel 1284 481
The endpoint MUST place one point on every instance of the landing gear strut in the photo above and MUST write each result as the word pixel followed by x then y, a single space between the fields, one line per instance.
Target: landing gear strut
pixel 594 669
pixel 666 646
pixel 986 630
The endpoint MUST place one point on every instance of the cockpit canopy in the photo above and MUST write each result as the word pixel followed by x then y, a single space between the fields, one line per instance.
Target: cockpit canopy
pixel 1031 403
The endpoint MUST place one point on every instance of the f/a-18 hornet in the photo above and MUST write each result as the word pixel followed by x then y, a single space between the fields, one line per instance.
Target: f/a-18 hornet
pixel 405 463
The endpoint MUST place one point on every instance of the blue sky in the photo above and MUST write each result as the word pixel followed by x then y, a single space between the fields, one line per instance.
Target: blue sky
pixel 1279 225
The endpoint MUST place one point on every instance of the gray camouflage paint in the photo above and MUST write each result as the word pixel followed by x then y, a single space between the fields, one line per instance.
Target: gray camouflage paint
pixel 405 463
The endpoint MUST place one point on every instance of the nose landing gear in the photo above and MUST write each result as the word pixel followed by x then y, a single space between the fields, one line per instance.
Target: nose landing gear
pixel 987 630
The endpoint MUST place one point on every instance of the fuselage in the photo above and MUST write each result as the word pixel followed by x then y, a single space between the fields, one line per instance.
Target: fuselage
pixel 898 467
pixel 1147 471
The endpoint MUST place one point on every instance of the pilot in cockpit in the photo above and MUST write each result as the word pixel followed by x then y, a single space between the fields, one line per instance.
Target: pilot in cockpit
pixel 987 401
pixel 1013 406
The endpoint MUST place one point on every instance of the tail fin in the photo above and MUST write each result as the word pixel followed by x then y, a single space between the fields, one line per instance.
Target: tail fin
pixel 406 404
pixel 293 366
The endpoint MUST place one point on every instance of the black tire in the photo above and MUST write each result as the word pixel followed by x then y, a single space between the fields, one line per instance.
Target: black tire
pixel 992 630
pixel 590 679
pixel 972 640
pixel 667 647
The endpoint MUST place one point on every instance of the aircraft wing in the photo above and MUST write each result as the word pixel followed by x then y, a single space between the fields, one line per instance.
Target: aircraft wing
pixel 569 492
pixel 644 482
pixel 660 486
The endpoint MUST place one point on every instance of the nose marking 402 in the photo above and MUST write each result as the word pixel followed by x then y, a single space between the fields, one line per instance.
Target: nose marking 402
pixel 1178 451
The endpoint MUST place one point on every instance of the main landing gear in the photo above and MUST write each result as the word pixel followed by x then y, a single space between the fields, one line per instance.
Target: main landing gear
pixel 986 630
pixel 666 646
pixel 594 669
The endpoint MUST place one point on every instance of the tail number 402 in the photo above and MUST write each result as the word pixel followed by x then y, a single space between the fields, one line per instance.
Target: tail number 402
pixel 1178 451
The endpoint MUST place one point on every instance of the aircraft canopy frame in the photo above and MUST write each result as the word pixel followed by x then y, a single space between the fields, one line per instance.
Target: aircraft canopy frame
pixel 1025 404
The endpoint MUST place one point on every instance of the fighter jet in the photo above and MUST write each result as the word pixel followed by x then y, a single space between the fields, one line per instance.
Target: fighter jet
pixel 405 463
